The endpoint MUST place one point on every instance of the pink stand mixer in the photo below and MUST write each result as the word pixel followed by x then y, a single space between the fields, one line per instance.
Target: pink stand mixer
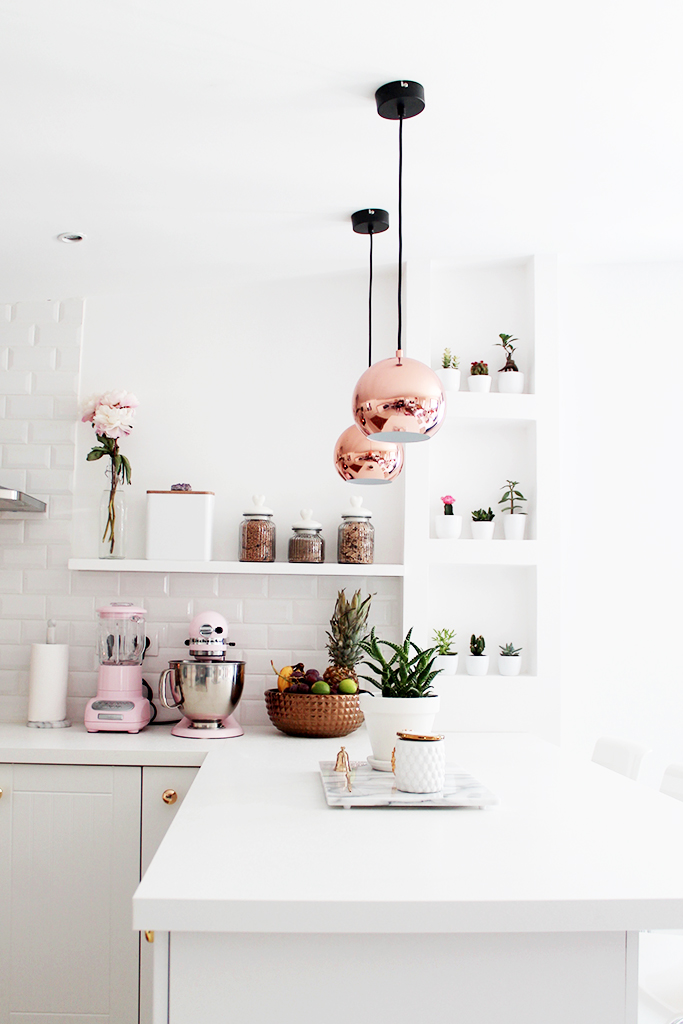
pixel 208 689
pixel 119 705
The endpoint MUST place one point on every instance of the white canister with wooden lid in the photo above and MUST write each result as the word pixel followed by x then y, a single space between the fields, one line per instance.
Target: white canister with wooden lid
pixel 180 525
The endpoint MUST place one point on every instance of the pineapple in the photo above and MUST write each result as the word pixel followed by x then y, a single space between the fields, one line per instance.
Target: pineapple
pixel 348 627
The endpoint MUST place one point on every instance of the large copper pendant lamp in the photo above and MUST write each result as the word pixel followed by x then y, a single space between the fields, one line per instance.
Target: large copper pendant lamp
pixel 357 458
pixel 399 399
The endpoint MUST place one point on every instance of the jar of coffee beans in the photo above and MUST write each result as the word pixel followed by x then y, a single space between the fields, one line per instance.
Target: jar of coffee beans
pixel 356 535
pixel 306 543
pixel 257 533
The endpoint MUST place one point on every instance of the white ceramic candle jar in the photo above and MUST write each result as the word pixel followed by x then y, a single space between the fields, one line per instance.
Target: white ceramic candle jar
pixel 419 763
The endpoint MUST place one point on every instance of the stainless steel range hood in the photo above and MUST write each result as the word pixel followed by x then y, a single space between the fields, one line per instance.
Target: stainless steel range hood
pixel 17 501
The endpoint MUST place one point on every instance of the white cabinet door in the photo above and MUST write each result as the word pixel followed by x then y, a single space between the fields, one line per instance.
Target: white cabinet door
pixel 70 844
pixel 157 815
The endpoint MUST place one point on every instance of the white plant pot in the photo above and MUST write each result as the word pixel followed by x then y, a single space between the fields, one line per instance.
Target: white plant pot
pixel 450 379
pixel 479 383
pixel 509 665
pixel 477 665
pixel 482 531
pixel 385 716
pixel 447 664
pixel 448 527
pixel 514 526
pixel 511 383
pixel 420 765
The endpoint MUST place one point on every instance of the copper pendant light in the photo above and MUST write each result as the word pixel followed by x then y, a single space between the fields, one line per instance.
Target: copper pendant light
pixel 399 399
pixel 356 457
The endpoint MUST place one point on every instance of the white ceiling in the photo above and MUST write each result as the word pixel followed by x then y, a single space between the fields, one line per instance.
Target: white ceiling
pixel 199 142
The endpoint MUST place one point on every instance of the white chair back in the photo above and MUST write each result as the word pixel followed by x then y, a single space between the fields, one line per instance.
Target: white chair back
pixel 672 782
pixel 620 756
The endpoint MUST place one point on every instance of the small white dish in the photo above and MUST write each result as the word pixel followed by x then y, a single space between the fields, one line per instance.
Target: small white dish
pixel 379 766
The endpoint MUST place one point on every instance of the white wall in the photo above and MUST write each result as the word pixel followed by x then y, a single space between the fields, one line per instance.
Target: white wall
pixel 622 494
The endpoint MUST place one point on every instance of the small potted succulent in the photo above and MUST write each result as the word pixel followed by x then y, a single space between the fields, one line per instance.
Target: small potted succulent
pixel 482 524
pixel 406 701
pixel 509 661
pixel 446 661
pixel 513 518
pixel 478 662
pixel 511 381
pixel 449 371
pixel 479 379
pixel 448 526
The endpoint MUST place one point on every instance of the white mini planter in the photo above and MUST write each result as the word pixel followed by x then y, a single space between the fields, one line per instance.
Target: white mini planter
pixel 511 383
pixel 447 664
pixel 385 716
pixel 477 665
pixel 514 526
pixel 479 383
pixel 420 765
pixel 448 527
pixel 509 665
pixel 482 531
pixel 450 379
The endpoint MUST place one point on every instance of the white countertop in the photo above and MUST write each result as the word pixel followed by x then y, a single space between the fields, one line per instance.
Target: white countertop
pixel 255 848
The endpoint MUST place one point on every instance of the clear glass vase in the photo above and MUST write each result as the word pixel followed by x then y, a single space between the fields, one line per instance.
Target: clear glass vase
pixel 113 523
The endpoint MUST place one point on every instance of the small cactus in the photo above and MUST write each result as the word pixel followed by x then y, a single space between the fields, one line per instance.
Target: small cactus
pixel 448 503
pixel 509 650
pixel 482 516
pixel 479 369
pixel 449 361
pixel 477 645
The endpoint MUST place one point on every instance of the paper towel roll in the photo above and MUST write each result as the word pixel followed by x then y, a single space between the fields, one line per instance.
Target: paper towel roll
pixel 47 684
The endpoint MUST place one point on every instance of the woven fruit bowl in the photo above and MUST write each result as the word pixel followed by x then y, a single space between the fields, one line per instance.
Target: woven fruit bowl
pixel 314 714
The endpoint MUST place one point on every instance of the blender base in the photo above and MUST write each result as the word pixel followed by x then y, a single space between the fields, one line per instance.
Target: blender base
pixel 225 729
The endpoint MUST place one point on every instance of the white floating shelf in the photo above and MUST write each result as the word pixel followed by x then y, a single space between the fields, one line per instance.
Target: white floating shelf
pixel 469 405
pixel 235 568
pixel 483 552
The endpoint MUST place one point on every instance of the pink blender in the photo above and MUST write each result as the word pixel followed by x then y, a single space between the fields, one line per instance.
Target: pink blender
pixel 119 705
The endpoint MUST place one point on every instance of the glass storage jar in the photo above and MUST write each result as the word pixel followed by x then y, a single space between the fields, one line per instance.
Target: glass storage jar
pixel 307 543
pixel 356 535
pixel 257 533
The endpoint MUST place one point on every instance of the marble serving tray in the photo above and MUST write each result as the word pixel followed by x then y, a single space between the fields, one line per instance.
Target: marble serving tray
pixel 370 788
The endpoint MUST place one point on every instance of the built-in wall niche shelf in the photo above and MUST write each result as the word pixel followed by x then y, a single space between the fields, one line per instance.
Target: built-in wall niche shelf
pixel 484 552
pixel 469 405
pixel 234 568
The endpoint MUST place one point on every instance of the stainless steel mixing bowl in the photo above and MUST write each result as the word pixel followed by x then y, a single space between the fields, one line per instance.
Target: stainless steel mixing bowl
pixel 204 691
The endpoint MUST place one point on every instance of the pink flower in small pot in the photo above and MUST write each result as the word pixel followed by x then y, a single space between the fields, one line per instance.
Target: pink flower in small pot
pixel 448 503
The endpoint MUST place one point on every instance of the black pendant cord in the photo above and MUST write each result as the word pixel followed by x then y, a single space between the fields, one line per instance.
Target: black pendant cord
pixel 400 223
pixel 370 232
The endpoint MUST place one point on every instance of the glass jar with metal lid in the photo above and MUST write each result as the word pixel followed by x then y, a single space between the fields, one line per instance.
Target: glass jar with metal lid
pixel 307 543
pixel 257 533
pixel 356 534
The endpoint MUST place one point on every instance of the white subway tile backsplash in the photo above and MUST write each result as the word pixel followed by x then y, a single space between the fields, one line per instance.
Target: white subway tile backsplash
pixel 16 334
pixel 30 407
pixel 315 613
pixel 58 335
pixel 329 587
pixel 25 456
pixel 46 581
pixel 58 555
pixel 53 432
pixel 68 360
pixel 153 583
pixel 11 529
pixel 32 358
pixel 15 656
pixel 188 584
pixel 95 583
pixel 83 634
pixel 250 637
pixel 72 311
pixel 62 456
pixel 10 631
pixel 82 684
pixel 267 611
pixel 243 586
pixel 15 383
pixel 4 358
pixel 35 632
pixel 47 531
pixel 260 662
pixel 25 556
pixel 298 638
pixel 44 311
pixel 70 606
pixel 10 581
pixel 255 685
pixel 293 586
pixel 230 608
pixel 55 383
pixel 65 408
pixel 50 481
pixel 169 609
pixel 23 606
pixel 13 430
pixel 13 681
pixel 83 659
pixel 16 479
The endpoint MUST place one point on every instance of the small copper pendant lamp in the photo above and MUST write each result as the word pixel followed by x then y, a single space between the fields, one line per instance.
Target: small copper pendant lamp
pixel 399 399
pixel 357 458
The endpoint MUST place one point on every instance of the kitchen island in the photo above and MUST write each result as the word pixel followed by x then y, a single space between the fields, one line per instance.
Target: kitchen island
pixel 267 904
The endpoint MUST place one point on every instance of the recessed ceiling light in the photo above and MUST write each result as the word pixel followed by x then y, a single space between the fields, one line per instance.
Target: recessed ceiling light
pixel 70 236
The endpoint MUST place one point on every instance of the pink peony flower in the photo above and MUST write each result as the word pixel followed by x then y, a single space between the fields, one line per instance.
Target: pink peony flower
pixel 88 408
pixel 120 399
pixel 112 421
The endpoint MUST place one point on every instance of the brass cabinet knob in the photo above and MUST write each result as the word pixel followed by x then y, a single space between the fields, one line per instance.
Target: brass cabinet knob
pixel 0 792
pixel 149 936
pixel 169 796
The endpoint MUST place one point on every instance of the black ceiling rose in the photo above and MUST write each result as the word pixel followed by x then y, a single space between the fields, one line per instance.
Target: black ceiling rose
pixel 400 100
pixel 366 222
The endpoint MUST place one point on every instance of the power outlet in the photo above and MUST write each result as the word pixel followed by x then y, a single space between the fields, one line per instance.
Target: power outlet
pixel 153 649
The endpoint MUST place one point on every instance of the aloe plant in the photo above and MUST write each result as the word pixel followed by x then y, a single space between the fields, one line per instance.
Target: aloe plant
pixel 449 361
pixel 482 516
pixel 405 674
pixel 477 645
pixel 443 638
pixel 509 651
pixel 510 495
